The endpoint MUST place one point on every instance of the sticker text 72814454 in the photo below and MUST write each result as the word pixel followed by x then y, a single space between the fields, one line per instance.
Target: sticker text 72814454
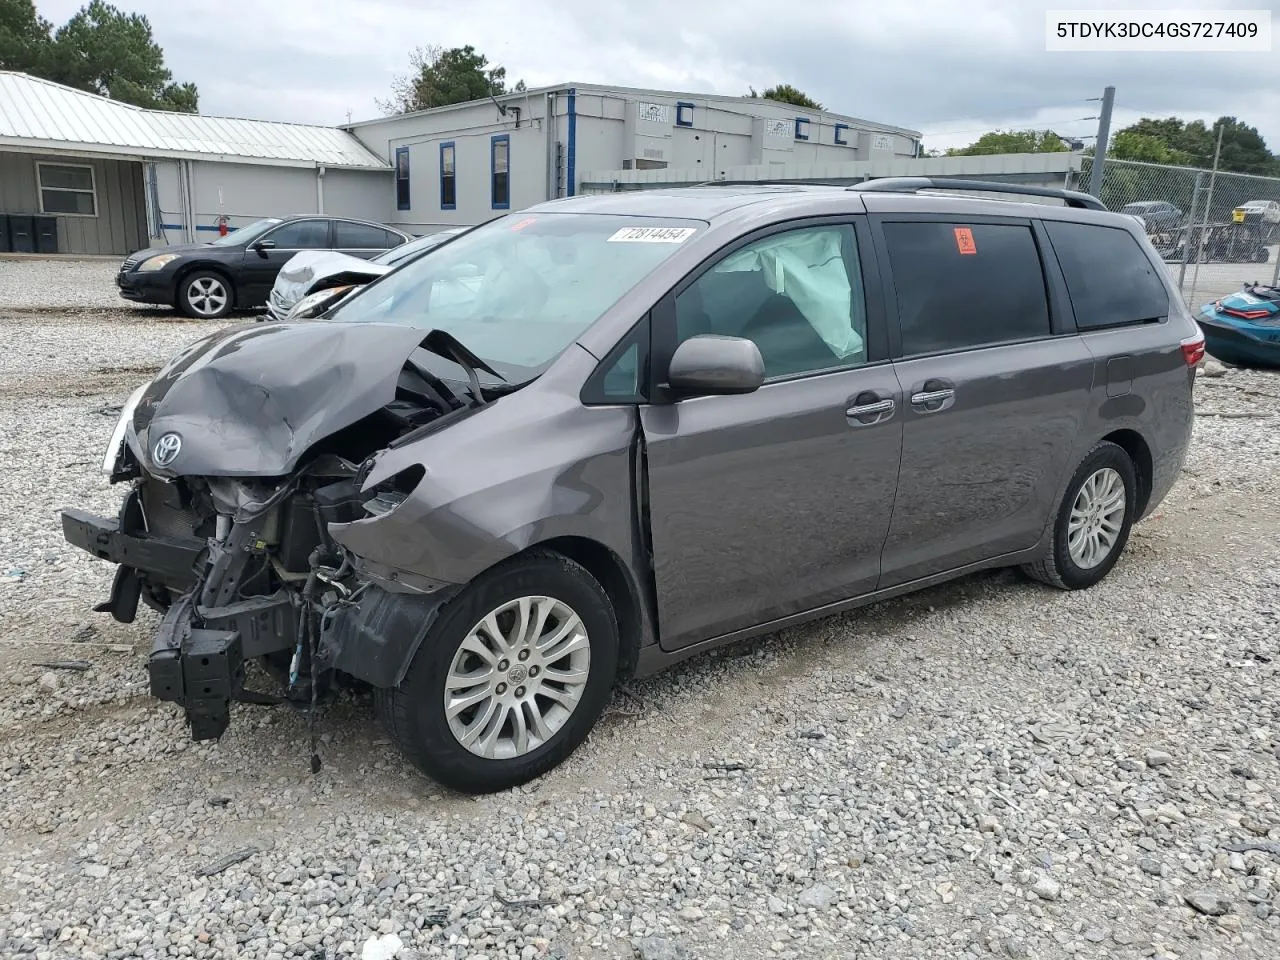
pixel 653 234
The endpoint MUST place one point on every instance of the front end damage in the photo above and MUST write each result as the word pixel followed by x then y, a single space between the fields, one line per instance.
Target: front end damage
pixel 244 567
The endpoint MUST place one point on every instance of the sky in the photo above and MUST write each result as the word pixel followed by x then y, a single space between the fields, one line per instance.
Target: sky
pixel 952 69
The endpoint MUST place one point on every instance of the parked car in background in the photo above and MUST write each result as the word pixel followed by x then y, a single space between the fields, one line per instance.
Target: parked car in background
pixel 209 280
pixel 312 271
pixel 1156 215
pixel 1264 212
pixel 588 440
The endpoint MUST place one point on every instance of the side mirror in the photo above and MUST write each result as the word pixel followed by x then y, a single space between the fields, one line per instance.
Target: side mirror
pixel 709 364
pixel 262 246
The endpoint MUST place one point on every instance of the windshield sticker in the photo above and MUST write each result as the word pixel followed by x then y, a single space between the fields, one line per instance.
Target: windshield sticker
pixel 527 221
pixel 653 234
pixel 964 241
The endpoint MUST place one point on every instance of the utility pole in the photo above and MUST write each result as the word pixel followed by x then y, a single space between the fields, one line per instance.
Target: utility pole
pixel 1100 145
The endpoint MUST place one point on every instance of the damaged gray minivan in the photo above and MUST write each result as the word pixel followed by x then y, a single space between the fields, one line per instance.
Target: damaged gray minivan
pixel 585 440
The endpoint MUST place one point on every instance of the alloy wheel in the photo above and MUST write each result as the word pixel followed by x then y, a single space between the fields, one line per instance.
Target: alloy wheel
pixel 207 296
pixel 1097 517
pixel 517 677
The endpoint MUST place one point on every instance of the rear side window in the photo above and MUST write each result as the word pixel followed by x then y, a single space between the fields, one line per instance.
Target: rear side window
pixel 966 285
pixel 362 236
pixel 1109 278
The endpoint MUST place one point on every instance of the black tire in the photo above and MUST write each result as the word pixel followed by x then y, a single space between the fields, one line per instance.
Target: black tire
pixel 205 295
pixel 1058 569
pixel 414 713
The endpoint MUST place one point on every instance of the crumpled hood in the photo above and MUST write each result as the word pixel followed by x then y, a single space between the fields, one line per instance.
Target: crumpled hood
pixel 249 400
pixel 303 270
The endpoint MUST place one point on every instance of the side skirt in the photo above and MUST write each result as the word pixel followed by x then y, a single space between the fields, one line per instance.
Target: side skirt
pixel 653 658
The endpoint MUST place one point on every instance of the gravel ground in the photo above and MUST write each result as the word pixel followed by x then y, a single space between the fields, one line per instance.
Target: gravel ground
pixel 59 285
pixel 990 768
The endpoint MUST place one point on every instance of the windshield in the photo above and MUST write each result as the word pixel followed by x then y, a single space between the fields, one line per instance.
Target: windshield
pixel 412 248
pixel 518 290
pixel 246 234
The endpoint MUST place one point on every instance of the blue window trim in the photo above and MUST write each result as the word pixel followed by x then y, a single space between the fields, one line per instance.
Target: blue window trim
pixel 571 151
pixel 451 146
pixel 802 128
pixel 493 155
pixel 840 140
pixel 681 107
pixel 406 203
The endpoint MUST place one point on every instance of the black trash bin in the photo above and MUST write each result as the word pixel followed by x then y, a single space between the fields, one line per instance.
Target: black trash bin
pixel 46 234
pixel 22 234
pixel 5 246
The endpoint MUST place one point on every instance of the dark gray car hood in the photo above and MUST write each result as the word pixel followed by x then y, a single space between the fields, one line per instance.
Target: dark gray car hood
pixel 249 400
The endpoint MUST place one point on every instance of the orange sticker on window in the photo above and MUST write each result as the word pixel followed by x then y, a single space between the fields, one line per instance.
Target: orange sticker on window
pixel 964 241
pixel 524 223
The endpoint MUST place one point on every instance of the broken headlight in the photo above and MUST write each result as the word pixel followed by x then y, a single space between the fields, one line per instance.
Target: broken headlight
pixel 393 491
pixel 111 459
pixel 316 303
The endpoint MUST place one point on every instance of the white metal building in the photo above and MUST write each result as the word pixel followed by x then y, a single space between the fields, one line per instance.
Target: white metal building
pixel 83 174
pixel 467 162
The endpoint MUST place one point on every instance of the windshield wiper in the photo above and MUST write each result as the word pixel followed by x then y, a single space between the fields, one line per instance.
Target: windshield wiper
pixel 451 348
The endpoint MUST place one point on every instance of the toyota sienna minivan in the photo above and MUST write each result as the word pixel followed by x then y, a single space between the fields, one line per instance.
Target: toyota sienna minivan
pixel 593 437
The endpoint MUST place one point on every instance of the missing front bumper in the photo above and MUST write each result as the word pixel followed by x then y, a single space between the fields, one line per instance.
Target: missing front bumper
pixel 168 561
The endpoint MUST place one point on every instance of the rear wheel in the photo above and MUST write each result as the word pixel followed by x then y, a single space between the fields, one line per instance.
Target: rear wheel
pixel 1093 521
pixel 511 679
pixel 205 295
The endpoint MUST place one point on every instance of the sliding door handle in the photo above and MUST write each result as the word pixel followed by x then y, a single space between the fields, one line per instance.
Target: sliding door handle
pixel 930 397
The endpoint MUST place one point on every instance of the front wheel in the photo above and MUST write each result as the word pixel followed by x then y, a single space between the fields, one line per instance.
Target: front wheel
pixel 511 678
pixel 1093 521
pixel 205 295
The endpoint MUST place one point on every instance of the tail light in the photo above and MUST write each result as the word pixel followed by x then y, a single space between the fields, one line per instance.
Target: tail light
pixel 1193 349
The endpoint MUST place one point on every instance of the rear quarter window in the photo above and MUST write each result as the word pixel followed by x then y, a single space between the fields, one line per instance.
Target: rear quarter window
pixel 1110 279
pixel 964 285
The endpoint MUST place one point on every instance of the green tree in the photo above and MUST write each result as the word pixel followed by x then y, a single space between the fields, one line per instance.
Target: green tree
pixel 24 37
pixel 1128 144
pixel 112 53
pixel 1012 141
pixel 439 77
pixel 100 49
pixel 1192 143
pixel 786 93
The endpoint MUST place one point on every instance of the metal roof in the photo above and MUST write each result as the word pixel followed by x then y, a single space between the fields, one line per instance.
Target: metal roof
pixel 755 105
pixel 37 113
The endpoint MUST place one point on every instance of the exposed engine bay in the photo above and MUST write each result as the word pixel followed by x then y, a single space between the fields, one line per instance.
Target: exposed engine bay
pixel 227 528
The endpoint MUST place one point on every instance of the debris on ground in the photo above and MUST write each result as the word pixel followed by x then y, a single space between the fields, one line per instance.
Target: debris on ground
pixel 230 860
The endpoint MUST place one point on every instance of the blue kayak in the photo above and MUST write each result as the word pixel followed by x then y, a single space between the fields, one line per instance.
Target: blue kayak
pixel 1243 328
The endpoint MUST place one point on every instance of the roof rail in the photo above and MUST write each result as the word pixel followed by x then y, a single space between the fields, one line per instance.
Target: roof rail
pixel 829 182
pixel 1071 198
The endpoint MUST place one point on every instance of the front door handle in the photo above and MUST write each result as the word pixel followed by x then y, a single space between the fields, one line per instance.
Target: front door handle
pixel 870 410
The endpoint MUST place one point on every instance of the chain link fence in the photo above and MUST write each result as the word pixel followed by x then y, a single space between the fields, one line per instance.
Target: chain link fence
pixel 1216 231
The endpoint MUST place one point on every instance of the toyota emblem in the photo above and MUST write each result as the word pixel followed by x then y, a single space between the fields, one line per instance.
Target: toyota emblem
pixel 166 449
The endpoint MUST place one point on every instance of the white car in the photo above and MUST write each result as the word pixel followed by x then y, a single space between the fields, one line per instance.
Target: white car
pixel 311 271
pixel 1267 211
